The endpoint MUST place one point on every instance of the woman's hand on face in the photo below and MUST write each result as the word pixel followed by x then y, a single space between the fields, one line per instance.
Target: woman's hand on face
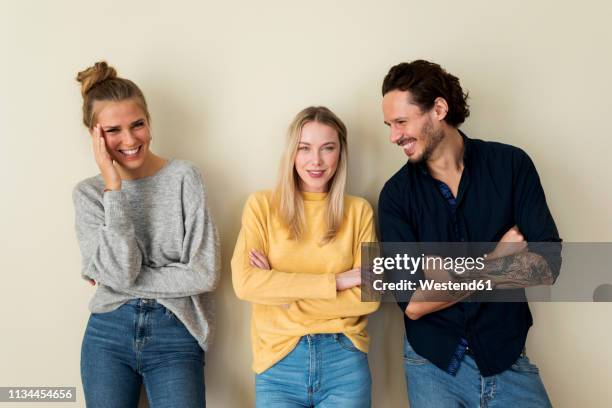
pixel 348 279
pixel 258 259
pixel 110 175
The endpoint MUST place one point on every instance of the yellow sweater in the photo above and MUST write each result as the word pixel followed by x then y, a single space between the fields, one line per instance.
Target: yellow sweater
pixel 302 276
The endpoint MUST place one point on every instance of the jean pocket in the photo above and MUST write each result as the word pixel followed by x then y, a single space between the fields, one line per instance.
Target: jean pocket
pixel 346 343
pixel 523 365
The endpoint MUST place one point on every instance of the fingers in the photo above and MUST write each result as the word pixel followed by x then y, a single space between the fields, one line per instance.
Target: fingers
pixel 258 259
pixel 513 235
pixel 94 142
pixel 99 145
pixel 253 260
pixel 262 258
pixel 348 279
pixel 102 143
pixel 352 272
pixel 518 233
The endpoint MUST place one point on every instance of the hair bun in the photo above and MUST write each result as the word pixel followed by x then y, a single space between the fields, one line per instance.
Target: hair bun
pixel 95 74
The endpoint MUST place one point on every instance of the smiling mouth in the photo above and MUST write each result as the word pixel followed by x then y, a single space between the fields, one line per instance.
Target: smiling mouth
pixel 408 145
pixel 315 173
pixel 130 152
pixel 403 142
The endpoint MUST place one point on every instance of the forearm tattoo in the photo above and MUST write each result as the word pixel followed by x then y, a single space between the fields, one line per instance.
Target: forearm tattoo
pixel 520 270
pixel 515 271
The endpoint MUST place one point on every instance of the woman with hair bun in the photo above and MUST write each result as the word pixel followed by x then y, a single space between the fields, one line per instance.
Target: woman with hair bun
pixel 148 241
pixel 297 260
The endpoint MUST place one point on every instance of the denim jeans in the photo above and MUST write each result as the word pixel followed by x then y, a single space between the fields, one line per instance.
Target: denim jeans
pixel 429 386
pixel 141 342
pixel 323 371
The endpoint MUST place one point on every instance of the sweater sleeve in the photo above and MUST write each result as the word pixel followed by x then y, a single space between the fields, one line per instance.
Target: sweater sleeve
pixel 270 287
pixel 105 232
pixel 348 302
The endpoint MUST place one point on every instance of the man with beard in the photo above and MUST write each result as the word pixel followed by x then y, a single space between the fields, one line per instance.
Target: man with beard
pixel 458 189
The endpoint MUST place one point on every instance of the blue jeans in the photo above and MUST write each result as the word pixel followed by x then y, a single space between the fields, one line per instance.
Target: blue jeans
pixel 323 370
pixel 429 386
pixel 141 342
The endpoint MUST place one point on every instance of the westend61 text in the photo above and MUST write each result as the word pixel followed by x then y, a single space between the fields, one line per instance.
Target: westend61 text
pixel 405 284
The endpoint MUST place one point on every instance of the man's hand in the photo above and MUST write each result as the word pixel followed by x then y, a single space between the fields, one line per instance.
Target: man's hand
pixel 512 242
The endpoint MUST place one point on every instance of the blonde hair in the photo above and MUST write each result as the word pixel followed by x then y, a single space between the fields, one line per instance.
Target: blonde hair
pixel 288 200
pixel 101 83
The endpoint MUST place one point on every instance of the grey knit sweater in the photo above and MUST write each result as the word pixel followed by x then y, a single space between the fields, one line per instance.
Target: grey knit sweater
pixel 153 239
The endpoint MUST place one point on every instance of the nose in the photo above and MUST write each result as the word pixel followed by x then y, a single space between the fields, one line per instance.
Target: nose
pixel 316 158
pixel 128 137
pixel 395 134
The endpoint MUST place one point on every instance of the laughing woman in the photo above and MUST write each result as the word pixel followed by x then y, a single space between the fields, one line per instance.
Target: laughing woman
pixel 148 241
pixel 297 261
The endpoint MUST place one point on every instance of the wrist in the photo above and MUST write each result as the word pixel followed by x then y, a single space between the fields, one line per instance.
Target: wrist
pixel 112 186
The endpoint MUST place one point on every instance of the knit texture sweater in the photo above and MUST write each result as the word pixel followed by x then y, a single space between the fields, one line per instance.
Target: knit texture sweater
pixel 152 239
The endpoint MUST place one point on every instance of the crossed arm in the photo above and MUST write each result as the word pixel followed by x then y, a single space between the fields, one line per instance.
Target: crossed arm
pixel 509 266
pixel 327 295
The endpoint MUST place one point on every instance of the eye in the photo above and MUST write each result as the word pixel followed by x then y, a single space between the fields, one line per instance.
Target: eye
pixel 138 125
pixel 303 148
pixel 112 131
pixel 329 148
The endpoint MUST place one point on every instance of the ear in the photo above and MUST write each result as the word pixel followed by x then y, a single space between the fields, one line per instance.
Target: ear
pixel 440 108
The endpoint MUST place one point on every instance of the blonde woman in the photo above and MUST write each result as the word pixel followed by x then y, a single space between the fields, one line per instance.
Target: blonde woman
pixel 297 261
pixel 148 241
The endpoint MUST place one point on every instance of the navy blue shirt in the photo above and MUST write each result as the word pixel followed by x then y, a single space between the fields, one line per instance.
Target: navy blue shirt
pixel 499 188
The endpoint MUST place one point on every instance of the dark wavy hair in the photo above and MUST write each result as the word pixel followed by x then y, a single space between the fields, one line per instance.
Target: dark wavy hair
pixel 427 81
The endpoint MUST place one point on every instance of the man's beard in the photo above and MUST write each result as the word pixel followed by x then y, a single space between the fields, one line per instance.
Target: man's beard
pixel 432 140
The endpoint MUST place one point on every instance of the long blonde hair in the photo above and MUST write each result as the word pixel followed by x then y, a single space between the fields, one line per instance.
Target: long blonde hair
pixel 288 200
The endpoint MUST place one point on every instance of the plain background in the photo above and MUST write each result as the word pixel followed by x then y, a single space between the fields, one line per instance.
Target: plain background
pixel 223 81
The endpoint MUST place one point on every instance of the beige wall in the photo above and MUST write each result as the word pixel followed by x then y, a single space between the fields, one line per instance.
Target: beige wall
pixel 224 80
